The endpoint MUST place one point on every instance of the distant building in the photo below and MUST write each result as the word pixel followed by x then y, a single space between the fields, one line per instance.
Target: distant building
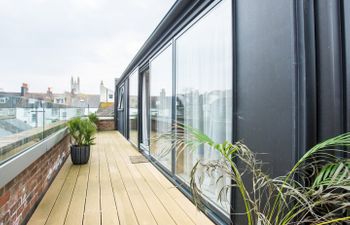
pixel 19 105
pixel 24 110
pixel 106 95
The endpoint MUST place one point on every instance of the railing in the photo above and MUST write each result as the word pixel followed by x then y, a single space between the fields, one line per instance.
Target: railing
pixel 24 122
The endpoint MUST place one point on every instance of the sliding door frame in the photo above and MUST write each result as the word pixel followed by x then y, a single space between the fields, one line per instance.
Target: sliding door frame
pixel 145 149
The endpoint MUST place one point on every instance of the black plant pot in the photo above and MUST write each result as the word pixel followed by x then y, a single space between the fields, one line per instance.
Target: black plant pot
pixel 80 154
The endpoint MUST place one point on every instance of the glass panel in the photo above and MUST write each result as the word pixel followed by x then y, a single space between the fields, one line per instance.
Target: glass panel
pixel 161 107
pixel 133 107
pixel 26 121
pixel 204 90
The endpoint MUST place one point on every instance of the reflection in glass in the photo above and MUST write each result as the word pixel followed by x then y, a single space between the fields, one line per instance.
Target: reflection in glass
pixel 160 105
pixel 133 107
pixel 204 90
pixel 145 109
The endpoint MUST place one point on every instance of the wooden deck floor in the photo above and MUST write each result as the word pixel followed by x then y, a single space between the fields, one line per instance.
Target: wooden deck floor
pixel 110 190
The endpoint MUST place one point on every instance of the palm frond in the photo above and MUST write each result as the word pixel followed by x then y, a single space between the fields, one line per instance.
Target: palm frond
pixel 270 201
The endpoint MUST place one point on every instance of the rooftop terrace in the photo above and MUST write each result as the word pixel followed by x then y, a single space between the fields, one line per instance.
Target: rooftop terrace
pixel 112 190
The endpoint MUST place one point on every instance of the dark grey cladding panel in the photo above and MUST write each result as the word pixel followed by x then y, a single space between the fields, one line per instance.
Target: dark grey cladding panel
pixel 346 35
pixel 265 80
pixel 330 77
pixel 264 76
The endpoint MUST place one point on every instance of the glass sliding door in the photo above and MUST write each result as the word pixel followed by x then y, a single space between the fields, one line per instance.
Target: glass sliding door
pixel 161 103
pixel 204 91
pixel 145 137
pixel 133 107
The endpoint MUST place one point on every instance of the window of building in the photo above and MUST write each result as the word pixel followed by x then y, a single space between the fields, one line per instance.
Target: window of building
pixel 34 118
pixel 55 111
pixel 204 90
pixel 2 100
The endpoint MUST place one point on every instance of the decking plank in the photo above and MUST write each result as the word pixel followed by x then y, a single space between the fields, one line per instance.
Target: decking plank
pixel 177 213
pixel 125 210
pixel 160 214
pixel 43 210
pixel 76 209
pixel 92 213
pixel 108 205
pixel 59 211
pixel 190 209
pixel 141 209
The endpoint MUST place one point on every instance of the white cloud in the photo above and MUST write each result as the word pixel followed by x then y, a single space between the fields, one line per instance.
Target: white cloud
pixel 44 42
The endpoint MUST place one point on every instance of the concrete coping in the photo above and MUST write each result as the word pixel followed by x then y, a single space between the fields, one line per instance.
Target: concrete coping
pixel 14 166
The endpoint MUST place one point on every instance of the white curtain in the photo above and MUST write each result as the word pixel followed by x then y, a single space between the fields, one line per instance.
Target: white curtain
pixel 204 86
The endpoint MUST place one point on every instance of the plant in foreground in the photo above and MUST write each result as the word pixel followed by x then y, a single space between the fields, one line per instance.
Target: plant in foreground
pixel 93 118
pixel 315 191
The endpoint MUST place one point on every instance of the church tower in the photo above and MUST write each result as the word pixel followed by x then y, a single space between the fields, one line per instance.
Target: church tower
pixel 75 85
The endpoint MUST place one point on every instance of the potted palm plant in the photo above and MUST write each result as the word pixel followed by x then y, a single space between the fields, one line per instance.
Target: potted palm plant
pixel 82 137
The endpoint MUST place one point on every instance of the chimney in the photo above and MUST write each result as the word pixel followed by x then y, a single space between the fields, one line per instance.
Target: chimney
pixel 24 89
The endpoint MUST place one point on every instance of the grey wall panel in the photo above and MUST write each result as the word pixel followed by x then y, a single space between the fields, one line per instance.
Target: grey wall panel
pixel 305 70
pixel 265 79
pixel 346 55
pixel 329 69
pixel 346 35
pixel 264 83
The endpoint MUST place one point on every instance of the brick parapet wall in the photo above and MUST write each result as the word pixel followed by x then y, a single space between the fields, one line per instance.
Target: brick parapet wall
pixel 20 196
pixel 106 124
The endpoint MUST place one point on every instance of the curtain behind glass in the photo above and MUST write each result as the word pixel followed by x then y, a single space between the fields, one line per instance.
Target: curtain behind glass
pixel 204 88
pixel 161 106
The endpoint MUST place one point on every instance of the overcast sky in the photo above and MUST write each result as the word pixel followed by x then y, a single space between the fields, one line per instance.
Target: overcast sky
pixel 45 42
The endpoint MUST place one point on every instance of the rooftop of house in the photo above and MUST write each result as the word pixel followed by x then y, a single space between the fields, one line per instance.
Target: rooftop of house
pixel 106 109
pixel 86 101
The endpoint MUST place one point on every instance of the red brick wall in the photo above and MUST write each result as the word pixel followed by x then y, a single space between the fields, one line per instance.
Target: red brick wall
pixel 105 124
pixel 19 197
